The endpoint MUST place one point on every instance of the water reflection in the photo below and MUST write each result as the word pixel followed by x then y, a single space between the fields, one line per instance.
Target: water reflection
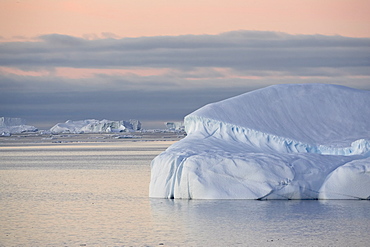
pixel 77 194
pixel 249 222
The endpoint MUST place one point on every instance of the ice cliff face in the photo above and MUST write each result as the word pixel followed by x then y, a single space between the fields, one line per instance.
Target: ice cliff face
pixel 10 126
pixel 95 126
pixel 308 141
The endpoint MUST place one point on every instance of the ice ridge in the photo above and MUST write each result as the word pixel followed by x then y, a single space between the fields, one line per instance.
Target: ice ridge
pixel 267 141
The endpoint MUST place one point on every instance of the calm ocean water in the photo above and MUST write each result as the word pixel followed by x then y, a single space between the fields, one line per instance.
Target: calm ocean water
pixel 96 194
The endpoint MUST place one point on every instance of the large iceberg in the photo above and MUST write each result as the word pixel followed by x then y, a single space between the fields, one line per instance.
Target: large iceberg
pixel 96 126
pixel 9 125
pixel 297 141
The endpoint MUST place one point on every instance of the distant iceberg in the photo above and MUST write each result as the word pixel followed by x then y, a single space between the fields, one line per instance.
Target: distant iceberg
pixel 96 126
pixel 9 125
pixel 297 141
pixel 174 126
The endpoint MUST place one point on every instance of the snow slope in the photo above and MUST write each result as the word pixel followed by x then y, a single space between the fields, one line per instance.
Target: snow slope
pixel 95 126
pixel 308 141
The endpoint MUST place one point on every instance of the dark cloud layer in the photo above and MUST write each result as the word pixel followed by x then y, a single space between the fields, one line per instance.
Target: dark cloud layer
pixel 199 69
pixel 244 50
pixel 151 107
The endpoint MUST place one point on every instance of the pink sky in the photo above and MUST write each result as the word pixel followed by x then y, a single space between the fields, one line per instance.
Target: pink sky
pixel 127 18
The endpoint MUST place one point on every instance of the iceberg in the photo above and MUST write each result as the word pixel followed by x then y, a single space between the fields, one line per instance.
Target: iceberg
pixel 174 126
pixel 96 126
pixel 11 121
pixel 293 141
pixel 10 126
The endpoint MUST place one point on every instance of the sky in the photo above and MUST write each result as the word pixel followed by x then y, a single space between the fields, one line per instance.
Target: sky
pixel 157 61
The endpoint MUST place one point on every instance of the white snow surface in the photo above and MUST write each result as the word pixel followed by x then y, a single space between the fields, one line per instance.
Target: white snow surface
pixel 10 126
pixel 295 141
pixel 95 126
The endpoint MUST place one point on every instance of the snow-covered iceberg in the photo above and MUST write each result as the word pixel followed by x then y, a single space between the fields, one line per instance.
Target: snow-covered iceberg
pixel 96 126
pixel 9 125
pixel 297 141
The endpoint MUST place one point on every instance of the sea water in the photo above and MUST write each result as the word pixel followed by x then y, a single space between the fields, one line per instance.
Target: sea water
pixel 96 194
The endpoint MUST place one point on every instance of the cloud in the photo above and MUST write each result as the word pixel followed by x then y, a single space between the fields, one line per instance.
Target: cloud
pixel 60 77
pixel 242 50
